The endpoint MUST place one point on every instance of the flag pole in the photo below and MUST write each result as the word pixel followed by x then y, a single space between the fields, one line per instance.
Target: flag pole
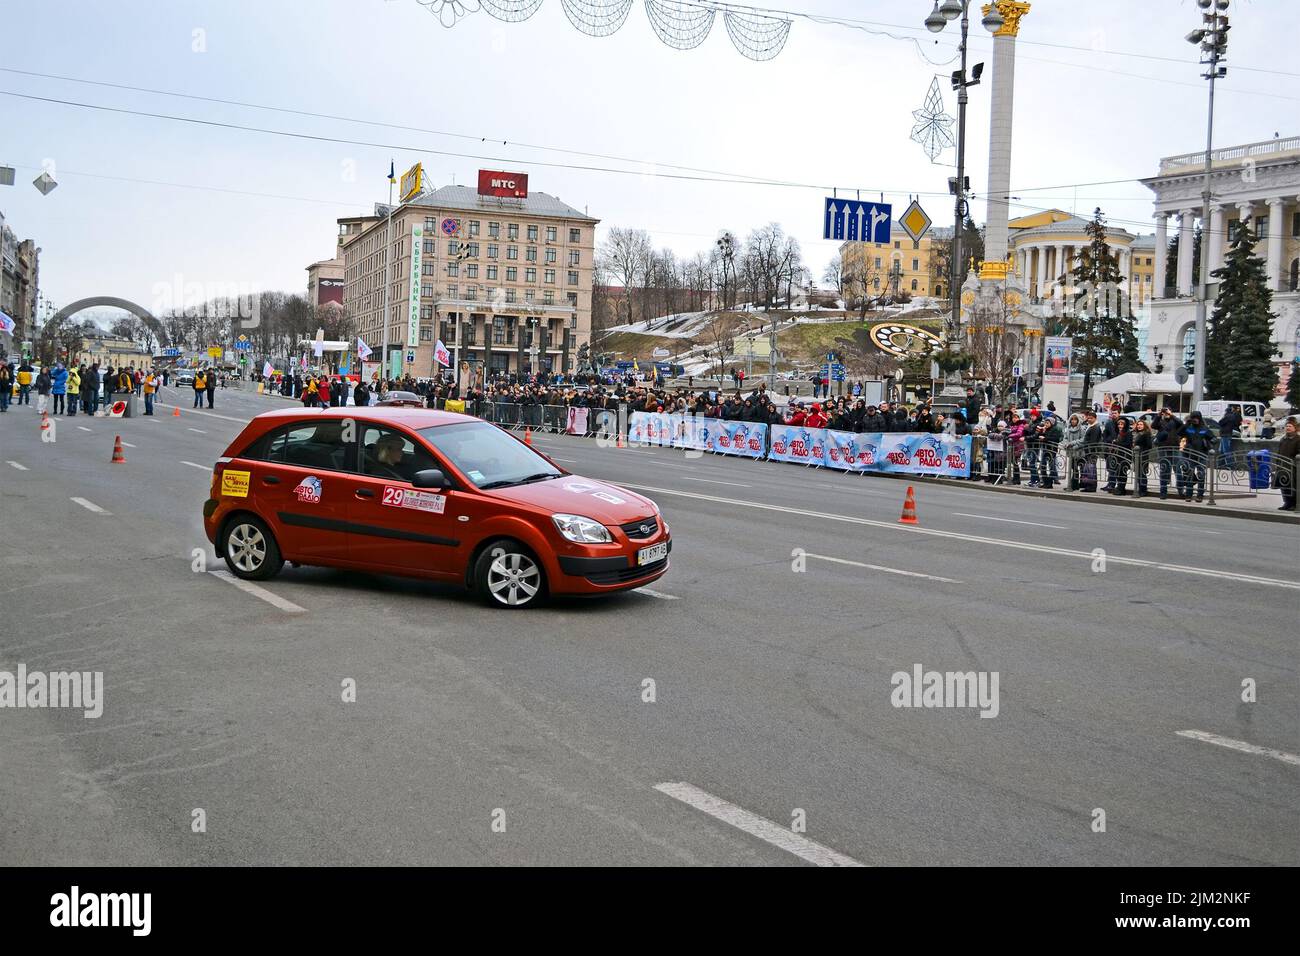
pixel 388 248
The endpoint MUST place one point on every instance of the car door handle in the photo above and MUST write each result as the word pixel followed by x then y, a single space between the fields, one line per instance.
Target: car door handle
pixel 365 493
pixel 270 480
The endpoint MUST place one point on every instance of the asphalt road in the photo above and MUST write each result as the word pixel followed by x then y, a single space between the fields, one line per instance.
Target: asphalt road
pixel 772 684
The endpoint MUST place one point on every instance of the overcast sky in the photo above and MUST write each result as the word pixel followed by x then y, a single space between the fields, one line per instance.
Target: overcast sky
pixel 143 201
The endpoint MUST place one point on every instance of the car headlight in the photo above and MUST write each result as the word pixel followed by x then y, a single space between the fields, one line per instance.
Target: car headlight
pixel 582 530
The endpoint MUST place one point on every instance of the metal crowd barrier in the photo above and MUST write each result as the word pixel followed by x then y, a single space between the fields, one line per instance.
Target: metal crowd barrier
pixel 1048 465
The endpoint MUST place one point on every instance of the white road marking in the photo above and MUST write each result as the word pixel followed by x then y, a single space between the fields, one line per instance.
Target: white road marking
pixel 753 824
pixel 194 464
pixel 18 466
pixel 127 444
pixel 90 506
pixel 658 594
pixel 199 430
pixel 880 567
pixel 571 461
pixel 83 428
pixel 197 411
pixel 1240 745
pixel 963 514
pixel 714 481
pixel 248 587
pixel 977 539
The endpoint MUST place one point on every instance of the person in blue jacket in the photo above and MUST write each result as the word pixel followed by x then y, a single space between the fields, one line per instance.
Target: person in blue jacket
pixel 59 388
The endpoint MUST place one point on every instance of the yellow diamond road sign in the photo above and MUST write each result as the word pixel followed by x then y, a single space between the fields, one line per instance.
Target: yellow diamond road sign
pixel 914 221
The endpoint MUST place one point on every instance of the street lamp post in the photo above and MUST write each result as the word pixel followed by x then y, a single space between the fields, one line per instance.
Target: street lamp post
pixel 935 23
pixel 1213 41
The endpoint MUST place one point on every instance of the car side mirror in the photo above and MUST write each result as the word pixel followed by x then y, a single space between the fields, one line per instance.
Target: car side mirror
pixel 429 478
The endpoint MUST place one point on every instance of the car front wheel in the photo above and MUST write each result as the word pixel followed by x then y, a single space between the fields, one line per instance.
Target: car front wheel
pixel 507 575
pixel 250 549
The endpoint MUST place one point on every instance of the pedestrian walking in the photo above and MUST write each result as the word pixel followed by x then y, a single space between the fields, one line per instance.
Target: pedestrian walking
pixel 6 385
pixel 90 389
pixel 211 385
pixel 26 376
pixel 149 385
pixel 44 384
pixel 1284 472
pixel 74 388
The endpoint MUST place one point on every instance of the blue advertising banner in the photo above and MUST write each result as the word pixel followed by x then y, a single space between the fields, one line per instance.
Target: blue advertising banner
pixel 910 453
pixel 652 428
pixel 799 445
pixel 924 454
pixel 852 451
pixel 733 438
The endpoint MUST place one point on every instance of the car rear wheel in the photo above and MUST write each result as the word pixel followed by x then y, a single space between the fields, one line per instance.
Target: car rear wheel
pixel 507 575
pixel 250 549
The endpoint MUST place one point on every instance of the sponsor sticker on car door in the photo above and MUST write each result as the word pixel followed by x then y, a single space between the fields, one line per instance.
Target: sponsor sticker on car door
pixel 395 497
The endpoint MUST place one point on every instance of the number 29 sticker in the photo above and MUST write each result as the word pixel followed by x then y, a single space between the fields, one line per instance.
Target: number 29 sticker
pixel 417 500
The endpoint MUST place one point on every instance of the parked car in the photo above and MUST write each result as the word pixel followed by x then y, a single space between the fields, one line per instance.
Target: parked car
pixel 403 400
pixel 426 494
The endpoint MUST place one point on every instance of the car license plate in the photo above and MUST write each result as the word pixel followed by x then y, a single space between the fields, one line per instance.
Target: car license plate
pixel 650 555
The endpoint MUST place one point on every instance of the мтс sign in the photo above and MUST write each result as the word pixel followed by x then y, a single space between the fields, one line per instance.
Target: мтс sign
pixel 493 182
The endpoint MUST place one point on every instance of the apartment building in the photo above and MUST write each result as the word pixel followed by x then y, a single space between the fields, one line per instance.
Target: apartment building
pixel 504 281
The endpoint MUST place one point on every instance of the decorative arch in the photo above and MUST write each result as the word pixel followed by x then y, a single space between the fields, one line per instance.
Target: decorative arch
pixel 97 301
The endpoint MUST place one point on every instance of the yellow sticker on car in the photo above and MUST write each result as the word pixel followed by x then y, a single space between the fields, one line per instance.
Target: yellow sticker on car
pixel 234 484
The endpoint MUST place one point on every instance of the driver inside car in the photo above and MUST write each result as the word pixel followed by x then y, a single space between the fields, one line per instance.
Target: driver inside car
pixel 387 458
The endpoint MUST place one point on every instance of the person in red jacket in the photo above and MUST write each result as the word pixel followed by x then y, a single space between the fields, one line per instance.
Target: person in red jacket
pixel 797 416
pixel 815 418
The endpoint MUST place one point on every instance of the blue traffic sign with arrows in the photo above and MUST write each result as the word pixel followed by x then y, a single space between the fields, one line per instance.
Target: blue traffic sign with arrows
pixel 852 220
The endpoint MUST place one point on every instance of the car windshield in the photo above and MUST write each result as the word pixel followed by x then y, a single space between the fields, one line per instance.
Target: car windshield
pixel 488 456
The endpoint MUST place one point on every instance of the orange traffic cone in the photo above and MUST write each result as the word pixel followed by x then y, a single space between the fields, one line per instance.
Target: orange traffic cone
pixel 176 412
pixel 528 436
pixel 45 421
pixel 619 442
pixel 909 508
pixel 118 457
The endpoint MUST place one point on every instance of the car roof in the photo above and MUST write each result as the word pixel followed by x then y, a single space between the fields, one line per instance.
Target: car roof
pixel 383 414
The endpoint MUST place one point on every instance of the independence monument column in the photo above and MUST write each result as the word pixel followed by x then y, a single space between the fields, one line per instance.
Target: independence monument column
pixel 994 267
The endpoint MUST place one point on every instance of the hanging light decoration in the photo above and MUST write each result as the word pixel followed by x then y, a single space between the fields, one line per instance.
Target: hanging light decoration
pixel 680 25
pixel 757 37
pixel 511 11
pixel 449 12
pixel 597 18
pixel 933 129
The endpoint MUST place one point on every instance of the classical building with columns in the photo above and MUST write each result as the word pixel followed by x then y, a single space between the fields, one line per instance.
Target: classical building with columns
pixel 1257 183
pixel 1045 249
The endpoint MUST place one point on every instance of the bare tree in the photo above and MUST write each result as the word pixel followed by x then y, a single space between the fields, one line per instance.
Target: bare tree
pixel 861 283
pixel 624 255
pixel 992 342
pixel 834 275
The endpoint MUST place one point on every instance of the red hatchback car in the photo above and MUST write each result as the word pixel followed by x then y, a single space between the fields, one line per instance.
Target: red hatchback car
pixel 426 494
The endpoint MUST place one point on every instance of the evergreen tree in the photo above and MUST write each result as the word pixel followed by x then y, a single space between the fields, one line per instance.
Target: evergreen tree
pixel 1239 354
pixel 1293 387
pixel 1101 323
